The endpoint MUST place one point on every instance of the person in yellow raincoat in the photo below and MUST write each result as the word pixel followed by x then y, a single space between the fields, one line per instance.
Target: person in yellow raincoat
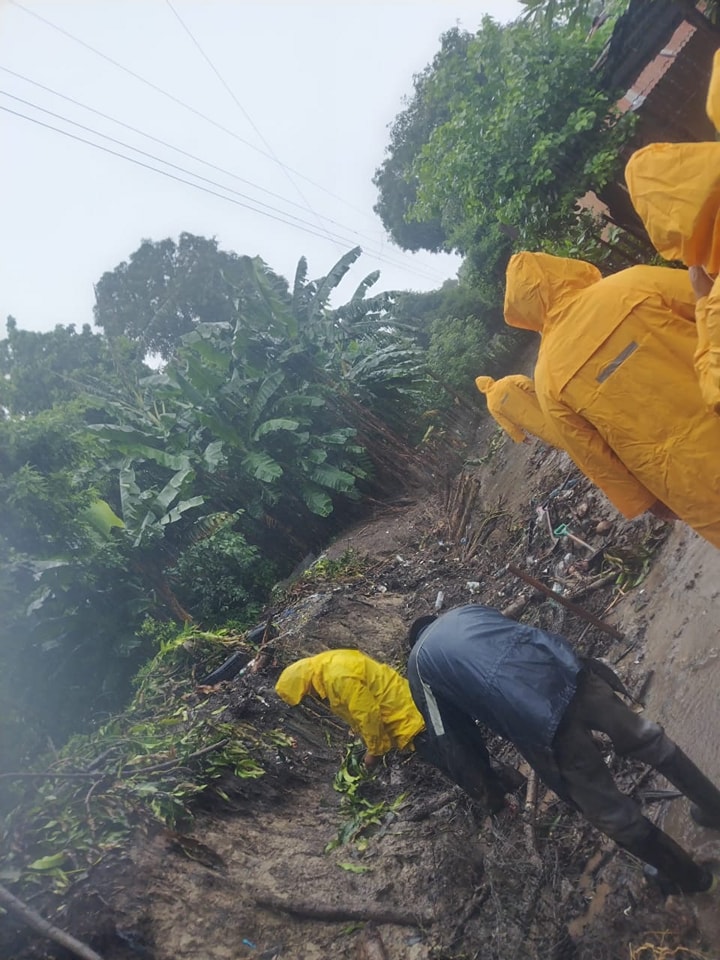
pixel 615 376
pixel 513 404
pixel 371 697
pixel 675 188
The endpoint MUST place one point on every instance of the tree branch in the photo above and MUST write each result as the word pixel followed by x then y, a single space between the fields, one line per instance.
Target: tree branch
pixel 33 919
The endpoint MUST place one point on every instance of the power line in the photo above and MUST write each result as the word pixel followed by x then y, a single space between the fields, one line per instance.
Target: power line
pixel 185 153
pixel 370 243
pixel 242 109
pixel 179 102
pixel 147 166
pixel 300 224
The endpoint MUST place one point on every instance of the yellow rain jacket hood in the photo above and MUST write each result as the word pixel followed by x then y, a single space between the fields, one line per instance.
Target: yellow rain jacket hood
pixel 537 282
pixel 513 404
pixel 370 696
pixel 675 188
pixel 615 378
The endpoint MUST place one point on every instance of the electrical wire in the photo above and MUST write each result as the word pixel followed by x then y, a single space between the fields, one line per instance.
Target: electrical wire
pixel 421 271
pixel 179 102
pixel 147 166
pixel 285 169
pixel 276 214
pixel 184 153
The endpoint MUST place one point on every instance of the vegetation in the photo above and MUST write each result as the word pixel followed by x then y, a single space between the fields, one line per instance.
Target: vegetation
pixel 148 765
pixel 164 473
pixel 183 493
pixel 506 157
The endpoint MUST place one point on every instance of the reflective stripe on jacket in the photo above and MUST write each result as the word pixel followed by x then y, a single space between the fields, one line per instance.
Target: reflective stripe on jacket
pixel 675 188
pixel 514 678
pixel 615 376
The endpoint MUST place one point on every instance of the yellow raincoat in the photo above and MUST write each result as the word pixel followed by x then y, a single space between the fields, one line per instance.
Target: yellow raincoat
pixel 370 696
pixel 712 105
pixel 514 405
pixel 615 376
pixel 675 188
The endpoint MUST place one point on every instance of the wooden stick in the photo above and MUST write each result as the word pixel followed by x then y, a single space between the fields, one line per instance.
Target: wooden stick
pixel 33 919
pixel 340 914
pixel 577 610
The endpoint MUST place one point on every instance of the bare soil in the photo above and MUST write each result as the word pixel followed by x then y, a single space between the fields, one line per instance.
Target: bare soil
pixel 436 878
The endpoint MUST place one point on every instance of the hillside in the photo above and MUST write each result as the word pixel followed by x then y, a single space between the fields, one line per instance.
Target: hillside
pixel 261 870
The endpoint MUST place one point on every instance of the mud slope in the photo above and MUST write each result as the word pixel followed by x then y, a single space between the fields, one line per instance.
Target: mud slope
pixel 432 878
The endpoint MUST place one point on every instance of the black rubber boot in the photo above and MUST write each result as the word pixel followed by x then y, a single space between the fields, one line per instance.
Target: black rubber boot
pixel 705 796
pixel 680 873
pixel 704 819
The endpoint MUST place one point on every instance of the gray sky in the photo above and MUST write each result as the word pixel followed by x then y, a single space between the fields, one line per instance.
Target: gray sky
pixel 313 85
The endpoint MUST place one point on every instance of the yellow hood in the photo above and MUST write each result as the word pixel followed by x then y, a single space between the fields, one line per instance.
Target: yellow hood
pixel 297 680
pixel 484 383
pixel 713 96
pixel 675 188
pixel 537 283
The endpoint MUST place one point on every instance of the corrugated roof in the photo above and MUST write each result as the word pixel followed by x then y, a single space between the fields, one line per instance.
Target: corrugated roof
pixel 645 29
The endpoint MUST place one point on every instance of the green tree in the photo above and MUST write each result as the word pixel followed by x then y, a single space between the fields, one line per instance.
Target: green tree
pixel 426 110
pixel 70 596
pixel 529 134
pixel 582 13
pixel 38 370
pixel 165 289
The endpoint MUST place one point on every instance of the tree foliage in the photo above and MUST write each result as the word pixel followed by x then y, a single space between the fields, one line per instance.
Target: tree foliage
pixel 182 493
pixel 426 110
pixel 38 370
pixel 526 132
pixel 166 288
pixel 529 134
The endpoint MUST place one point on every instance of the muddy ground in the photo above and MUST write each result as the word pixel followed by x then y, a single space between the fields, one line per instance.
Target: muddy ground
pixel 435 879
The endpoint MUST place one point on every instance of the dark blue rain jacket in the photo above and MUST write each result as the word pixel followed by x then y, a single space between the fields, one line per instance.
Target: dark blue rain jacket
pixel 474 664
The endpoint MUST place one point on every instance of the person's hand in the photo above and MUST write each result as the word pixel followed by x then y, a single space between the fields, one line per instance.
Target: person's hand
pixel 662 512
pixel 701 282
pixel 370 760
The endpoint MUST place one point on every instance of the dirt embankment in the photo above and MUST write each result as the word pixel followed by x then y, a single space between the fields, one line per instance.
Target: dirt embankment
pixel 422 872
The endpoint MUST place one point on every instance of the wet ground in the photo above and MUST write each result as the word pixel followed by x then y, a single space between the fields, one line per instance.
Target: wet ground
pixel 680 604
pixel 434 879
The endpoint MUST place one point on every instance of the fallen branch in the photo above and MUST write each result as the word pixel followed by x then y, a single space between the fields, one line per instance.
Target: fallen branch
pixel 422 813
pixel 124 772
pixel 33 920
pixel 559 598
pixel 603 581
pixel 529 825
pixel 177 762
pixel 473 907
pixel 340 914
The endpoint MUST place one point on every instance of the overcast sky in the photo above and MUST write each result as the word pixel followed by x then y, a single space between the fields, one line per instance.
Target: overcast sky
pixel 305 92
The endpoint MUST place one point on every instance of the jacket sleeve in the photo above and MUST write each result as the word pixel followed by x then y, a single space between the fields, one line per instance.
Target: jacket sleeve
pixel 352 700
pixel 599 462
pixel 513 431
pixel 707 355
pixel 676 290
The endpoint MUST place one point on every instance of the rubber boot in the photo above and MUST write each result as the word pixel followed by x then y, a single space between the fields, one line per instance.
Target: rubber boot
pixel 671 861
pixel 705 796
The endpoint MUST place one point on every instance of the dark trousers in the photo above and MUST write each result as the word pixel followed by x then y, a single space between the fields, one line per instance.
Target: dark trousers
pixel 588 783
